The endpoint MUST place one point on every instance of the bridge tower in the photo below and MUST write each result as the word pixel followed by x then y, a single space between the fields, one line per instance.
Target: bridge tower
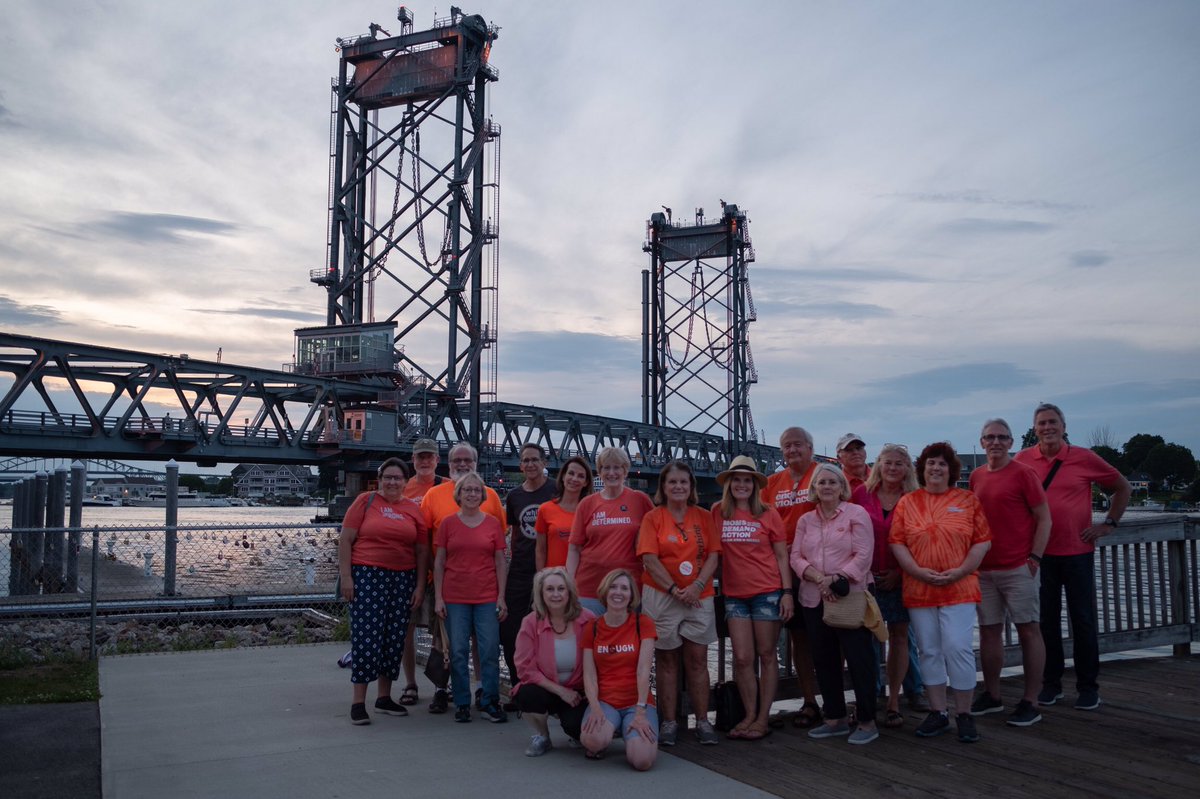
pixel 413 223
pixel 696 313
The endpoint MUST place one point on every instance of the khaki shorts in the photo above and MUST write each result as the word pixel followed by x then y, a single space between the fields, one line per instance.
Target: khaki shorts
pixel 1014 590
pixel 675 621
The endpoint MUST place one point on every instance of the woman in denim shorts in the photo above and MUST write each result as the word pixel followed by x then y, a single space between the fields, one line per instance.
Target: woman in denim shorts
pixel 756 583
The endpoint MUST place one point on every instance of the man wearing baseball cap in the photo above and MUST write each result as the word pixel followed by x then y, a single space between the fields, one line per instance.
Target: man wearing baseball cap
pixel 852 455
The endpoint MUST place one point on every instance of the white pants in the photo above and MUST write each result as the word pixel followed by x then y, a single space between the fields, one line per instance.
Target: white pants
pixel 944 637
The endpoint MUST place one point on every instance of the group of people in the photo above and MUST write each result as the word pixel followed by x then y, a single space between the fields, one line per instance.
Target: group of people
pixel 593 588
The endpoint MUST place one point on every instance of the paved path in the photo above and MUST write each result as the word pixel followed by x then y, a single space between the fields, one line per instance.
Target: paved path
pixel 274 721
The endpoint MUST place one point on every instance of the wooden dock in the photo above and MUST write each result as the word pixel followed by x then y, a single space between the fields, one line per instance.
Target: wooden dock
pixel 1143 741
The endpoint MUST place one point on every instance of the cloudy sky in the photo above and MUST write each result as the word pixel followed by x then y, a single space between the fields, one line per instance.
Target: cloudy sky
pixel 959 209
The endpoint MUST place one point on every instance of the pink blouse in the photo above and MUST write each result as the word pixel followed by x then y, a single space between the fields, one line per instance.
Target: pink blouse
pixel 841 545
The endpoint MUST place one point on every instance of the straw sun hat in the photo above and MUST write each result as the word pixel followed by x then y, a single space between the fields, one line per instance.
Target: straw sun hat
pixel 743 464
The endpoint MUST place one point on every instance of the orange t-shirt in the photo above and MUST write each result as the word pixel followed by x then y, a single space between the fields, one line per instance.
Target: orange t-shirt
pixel 748 563
pixel 470 574
pixel 615 652
pixel 606 531
pixel 678 546
pixel 438 504
pixel 790 498
pixel 387 533
pixel 554 524
pixel 414 489
pixel 939 530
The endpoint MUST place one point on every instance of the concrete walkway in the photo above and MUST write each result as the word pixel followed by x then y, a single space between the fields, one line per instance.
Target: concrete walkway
pixel 274 721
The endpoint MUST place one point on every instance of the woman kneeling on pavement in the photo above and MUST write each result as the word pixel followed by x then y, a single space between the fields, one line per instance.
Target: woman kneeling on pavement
pixel 680 552
pixel 617 650
pixel 832 554
pixel 550 659
pixel 382 561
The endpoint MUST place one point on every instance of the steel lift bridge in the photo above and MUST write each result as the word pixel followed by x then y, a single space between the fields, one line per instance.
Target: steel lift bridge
pixel 413 227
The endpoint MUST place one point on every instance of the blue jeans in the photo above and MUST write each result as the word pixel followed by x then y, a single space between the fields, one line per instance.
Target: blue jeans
pixel 461 621
pixel 1076 574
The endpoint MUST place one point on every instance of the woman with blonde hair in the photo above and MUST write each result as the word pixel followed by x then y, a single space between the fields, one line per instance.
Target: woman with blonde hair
pixel 605 530
pixel 756 582
pixel 618 648
pixel 891 477
pixel 550 659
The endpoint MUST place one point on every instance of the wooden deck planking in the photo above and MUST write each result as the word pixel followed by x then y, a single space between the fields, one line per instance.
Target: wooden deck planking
pixel 1143 741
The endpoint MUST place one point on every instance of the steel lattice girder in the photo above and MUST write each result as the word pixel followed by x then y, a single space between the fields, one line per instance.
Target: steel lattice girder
pixel 120 395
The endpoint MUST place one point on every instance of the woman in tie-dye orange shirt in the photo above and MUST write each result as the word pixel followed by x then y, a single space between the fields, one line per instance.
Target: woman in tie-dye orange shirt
pixel 939 536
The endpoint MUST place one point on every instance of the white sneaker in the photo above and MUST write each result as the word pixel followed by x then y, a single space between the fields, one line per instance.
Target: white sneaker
pixel 538 746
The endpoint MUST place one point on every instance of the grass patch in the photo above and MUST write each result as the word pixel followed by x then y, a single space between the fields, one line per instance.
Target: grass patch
pixel 52 681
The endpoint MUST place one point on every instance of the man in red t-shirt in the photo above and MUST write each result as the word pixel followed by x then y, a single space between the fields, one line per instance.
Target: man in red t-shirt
pixel 1017 512
pixel 1067 474
pixel 787 493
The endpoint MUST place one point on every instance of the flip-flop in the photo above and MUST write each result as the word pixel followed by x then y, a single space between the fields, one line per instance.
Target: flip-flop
pixel 894 719
pixel 753 733
pixel 738 732
pixel 409 695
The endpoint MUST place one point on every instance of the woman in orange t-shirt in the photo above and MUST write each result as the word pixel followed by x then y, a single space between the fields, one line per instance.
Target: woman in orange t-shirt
pixel 939 536
pixel 605 530
pixel 382 559
pixel 756 582
pixel 680 550
pixel 617 648
pixel 469 575
pixel 554 518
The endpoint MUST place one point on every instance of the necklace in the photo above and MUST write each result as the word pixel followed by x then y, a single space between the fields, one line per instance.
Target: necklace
pixel 558 631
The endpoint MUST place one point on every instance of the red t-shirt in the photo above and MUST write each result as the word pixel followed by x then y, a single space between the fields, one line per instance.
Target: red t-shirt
pixel 554 524
pixel 790 498
pixel 1008 496
pixel 606 531
pixel 939 530
pixel 748 563
pixel 881 522
pixel 1070 493
pixel 615 652
pixel 678 545
pixel 388 532
pixel 470 574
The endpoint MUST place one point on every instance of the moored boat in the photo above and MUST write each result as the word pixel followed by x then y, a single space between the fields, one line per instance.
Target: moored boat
pixel 186 499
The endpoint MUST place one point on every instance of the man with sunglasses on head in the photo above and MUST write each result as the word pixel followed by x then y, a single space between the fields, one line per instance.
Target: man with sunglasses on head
pixel 1067 473
pixel 1016 510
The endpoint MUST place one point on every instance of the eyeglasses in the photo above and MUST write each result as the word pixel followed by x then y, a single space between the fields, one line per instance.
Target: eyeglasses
pixel 530 460
pixel 392 477
pixel 997 438
pixel 470 490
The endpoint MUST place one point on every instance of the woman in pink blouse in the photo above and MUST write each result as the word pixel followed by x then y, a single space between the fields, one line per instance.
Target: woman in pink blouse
pixel 832 555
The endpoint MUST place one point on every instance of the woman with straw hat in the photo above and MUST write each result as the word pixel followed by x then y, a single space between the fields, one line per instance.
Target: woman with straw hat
pixel 756 583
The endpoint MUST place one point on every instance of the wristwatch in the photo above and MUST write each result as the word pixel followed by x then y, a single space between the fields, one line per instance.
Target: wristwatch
pixel 1110 521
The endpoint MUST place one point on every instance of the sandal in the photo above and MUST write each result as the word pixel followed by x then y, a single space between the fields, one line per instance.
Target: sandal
pixel 756 733
pixel 894 719
pixel 738 732
pixel 807 717
pixel 409 695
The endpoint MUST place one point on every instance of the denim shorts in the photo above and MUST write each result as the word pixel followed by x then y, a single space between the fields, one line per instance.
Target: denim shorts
pixel 891 604
pixel 621 718
pixel 760 607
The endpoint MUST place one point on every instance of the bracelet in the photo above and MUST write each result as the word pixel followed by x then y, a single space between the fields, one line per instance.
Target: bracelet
pixel 1036 558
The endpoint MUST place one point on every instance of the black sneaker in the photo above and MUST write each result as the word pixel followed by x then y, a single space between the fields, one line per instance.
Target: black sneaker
pixel 1087 700
pixel 358 714
pixel 494 714
pixel 463 714
pixel 384 704
pixel 1049 695
pixel 441 701
pixel 1026 715
pixel 986 703
pixel 936 723
pixel 966 728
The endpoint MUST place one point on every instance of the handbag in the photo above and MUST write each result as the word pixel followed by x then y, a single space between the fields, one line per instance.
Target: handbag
pixel 848 612
pixel 729 707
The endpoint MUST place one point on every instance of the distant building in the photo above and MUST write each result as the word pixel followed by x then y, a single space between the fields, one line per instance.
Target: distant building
pixel 126 487
pixel 260 480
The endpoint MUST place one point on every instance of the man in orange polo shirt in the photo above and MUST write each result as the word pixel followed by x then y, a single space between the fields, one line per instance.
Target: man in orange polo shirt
pixel 787 493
